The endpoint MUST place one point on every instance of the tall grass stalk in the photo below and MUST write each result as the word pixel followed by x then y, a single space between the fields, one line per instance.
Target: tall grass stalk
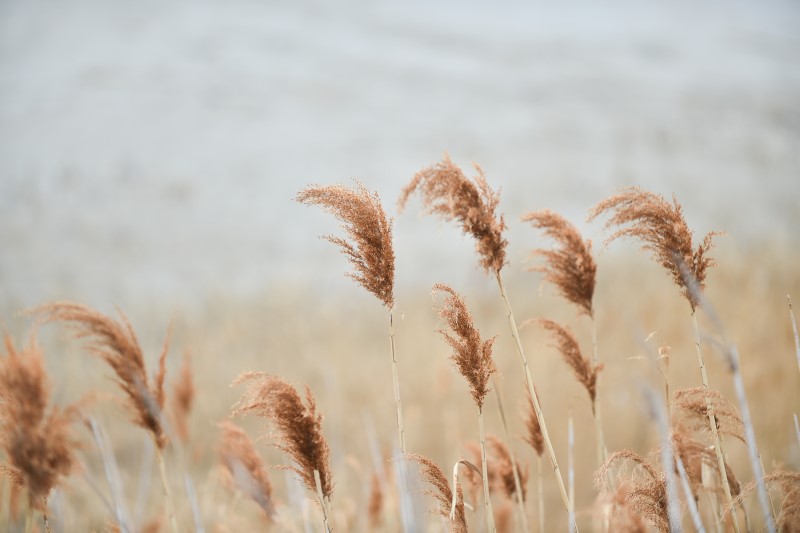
pixel 323 503
pixel 399 407
pixel 529 380
pixel 658 413
pixel 490 526
pixel 571 469
pixel 712 420
pixel 173 519
pixel 540 492
pixel 596 411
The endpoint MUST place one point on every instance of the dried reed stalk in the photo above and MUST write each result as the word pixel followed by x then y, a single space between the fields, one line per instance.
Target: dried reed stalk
pixel 473 358
pixel 38 440
pixel 369 250
pixel 442 493
pixel 115 342
pixel 662 229
pixel 244 467
pixel 447 191
pixel 299 430
pixel 571 268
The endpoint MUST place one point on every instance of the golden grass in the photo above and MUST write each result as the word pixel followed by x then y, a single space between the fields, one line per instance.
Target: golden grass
pixel 337 358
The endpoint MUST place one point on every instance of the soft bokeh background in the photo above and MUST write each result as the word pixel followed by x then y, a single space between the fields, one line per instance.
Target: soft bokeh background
pixel 151 151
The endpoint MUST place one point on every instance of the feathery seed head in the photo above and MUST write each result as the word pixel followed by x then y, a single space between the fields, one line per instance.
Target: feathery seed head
pixel 471 355
pixel 570 351
pixel 244 466
pixel 299 426
pixel 442 493
pixel 664 232
pixel 446 191
pixel 39 445
pixel 115 343
pixel 570 267
pixel 370 248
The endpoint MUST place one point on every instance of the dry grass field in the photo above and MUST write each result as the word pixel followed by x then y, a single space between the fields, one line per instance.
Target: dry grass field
pixel 335 341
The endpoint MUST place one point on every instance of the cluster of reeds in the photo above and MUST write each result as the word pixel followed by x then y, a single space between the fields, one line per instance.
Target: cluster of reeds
pixel 688 473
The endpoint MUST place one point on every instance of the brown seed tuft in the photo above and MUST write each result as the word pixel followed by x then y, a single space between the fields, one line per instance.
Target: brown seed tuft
pixel 533 435
pixel 692 406
pixel 244 467
pixel 183 398
pixel 39 445
pixel 471 355
pixel 299 425
pixel 115 343
pixel 504 469
pixel 364 220
pixel 448 192
pixel 613 511
pixel 645 490
pixel 663 230
pixel 570 351
pixel 570 267
pixel 442 493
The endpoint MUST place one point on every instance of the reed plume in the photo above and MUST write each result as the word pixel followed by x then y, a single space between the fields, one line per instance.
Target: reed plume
pixel 504 469
pixel 645 491
pixel 448 192
pixel 471 355
pixel 663 231
pixel 570 267
pixel 244 467
pixel 442 493
pixel 375 502
pixel 371 253
pixel 299 430
pixel 695 404
pixel 365 223
pixel 570 351
pixel 473 358
pixel 38 441
pixel 115 342
pixel 182 398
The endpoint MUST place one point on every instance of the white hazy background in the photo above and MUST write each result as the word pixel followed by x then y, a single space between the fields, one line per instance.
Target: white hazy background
pixel 150 151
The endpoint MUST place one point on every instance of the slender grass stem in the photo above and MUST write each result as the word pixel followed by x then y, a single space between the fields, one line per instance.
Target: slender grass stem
pixel 540 492
pixel 596 412
pixel 712 420
pixel 323 504
pixel 529 380
pixel 485 474
pixel 173 520
pixel 515 469
pixel 794 330
pixel 396 381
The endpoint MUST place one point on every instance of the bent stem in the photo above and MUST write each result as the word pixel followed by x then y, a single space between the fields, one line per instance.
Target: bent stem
pixel 712 420
pixel 485 474
pixel 398 405
pixel 173 520
pixel 515 470
pixel 537 409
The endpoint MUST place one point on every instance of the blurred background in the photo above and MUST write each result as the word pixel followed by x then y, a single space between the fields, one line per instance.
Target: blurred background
pixel 150 153
pixel 151 150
